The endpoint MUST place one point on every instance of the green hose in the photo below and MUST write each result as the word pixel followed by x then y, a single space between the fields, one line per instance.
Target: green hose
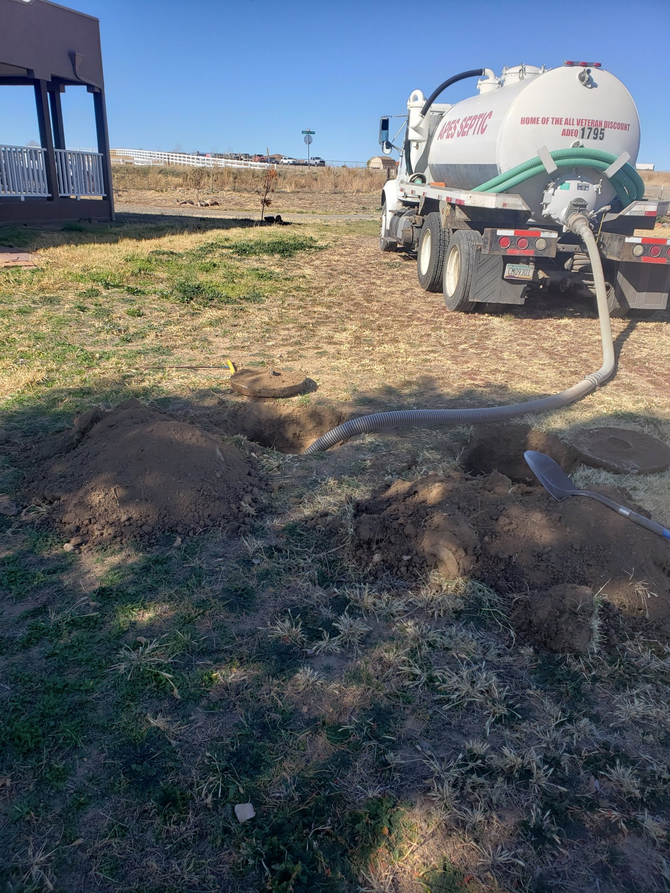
pixel 626 182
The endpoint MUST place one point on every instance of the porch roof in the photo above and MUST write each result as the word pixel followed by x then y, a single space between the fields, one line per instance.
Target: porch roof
pixel 45 41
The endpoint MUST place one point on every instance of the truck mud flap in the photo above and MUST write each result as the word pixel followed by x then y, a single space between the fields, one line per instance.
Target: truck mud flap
pixel 642 286
pixel 489 287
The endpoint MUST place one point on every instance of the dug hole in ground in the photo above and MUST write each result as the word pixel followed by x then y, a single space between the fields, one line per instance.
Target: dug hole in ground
pixel 568 571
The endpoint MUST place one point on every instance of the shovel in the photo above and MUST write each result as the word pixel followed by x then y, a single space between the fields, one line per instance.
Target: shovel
pixel 555 480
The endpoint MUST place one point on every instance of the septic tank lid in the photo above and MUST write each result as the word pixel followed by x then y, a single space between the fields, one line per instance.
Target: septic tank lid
pixel 270 383
pixel 621 450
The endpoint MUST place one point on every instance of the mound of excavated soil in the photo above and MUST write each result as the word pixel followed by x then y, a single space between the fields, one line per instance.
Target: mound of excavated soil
pixel 520 541
pixel 560 618
pixel 134 473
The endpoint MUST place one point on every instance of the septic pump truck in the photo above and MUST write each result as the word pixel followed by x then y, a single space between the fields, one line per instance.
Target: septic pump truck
pixel 486 189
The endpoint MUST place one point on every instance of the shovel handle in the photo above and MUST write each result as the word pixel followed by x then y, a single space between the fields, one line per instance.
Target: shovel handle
pixel 645 522
pixel 636 518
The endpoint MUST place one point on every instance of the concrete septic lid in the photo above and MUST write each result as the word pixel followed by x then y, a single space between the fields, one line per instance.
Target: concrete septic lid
pixel 267 383
pixel 622 451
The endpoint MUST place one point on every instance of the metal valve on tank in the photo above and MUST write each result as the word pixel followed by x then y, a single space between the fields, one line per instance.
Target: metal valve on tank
pixel 570 195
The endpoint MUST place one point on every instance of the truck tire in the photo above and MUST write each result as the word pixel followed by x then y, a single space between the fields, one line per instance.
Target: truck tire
pixel 460 267
pixel 582 265
pixel 431 250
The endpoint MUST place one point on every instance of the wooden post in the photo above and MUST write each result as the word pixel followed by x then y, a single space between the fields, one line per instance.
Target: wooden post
pixel 103 145
pixel 46 138
pixel 57 117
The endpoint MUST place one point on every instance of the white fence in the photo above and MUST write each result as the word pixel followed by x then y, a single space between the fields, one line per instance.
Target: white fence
pixel 23 171
pixel 146 157
pixel 79 173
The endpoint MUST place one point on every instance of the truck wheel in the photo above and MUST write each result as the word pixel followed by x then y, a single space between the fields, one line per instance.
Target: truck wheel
pixel 432 248
pixel 582 266
pixel 460 266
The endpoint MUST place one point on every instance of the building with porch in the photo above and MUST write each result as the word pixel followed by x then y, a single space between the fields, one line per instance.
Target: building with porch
pixel 52 48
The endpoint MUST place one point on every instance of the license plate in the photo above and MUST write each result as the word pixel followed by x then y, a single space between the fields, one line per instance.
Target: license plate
pixel 518 271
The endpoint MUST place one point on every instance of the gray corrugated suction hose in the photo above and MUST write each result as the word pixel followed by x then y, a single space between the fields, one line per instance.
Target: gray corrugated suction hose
pixel 408 418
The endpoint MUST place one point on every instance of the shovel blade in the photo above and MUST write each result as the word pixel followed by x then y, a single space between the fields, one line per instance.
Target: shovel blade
pixel 550 475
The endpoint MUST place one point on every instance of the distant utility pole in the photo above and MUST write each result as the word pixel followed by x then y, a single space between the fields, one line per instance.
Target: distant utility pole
pixel 308 139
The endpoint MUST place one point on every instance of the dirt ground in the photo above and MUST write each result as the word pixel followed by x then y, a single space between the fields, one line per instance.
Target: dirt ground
pixel 134 474
pixel 422 671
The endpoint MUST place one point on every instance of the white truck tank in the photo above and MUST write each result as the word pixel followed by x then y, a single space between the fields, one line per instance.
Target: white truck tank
pixel 526 110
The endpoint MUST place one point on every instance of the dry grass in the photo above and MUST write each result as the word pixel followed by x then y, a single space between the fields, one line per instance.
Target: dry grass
pixel 656 178
pixel 185 200
pixel 75 326
pixel 391 736
pixel 348 181
pixel 330 191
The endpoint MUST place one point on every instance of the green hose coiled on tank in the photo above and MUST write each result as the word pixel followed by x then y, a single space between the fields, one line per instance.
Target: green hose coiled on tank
pixel 626 181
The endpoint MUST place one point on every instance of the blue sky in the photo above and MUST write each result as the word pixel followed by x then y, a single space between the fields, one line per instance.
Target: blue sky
pixel 243 75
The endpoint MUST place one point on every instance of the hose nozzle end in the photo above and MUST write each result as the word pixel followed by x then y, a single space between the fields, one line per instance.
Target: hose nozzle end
pixel 577 222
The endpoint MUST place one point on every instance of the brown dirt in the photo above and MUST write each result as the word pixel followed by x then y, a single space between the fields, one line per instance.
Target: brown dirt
pixel 501 448
pixel 518 540
pixel 560 618
pixel 286 427
pixel 135 474
pixel 14 257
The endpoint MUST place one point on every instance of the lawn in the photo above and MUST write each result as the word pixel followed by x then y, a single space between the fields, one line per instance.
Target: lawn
pixel 391 732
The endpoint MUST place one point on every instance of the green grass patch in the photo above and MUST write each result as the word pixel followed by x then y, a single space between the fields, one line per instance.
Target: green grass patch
pixel 283 246
pixel 19 236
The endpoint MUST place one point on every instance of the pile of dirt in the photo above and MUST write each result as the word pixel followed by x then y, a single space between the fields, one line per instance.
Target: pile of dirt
pixel 561 618
pixel 414 525
pixel 522 543
pixel 135 474
pixel 285 427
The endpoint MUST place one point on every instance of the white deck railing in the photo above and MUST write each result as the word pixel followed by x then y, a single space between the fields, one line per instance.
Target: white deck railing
pixel 79 173
pixel 146 157
pixel 23 171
